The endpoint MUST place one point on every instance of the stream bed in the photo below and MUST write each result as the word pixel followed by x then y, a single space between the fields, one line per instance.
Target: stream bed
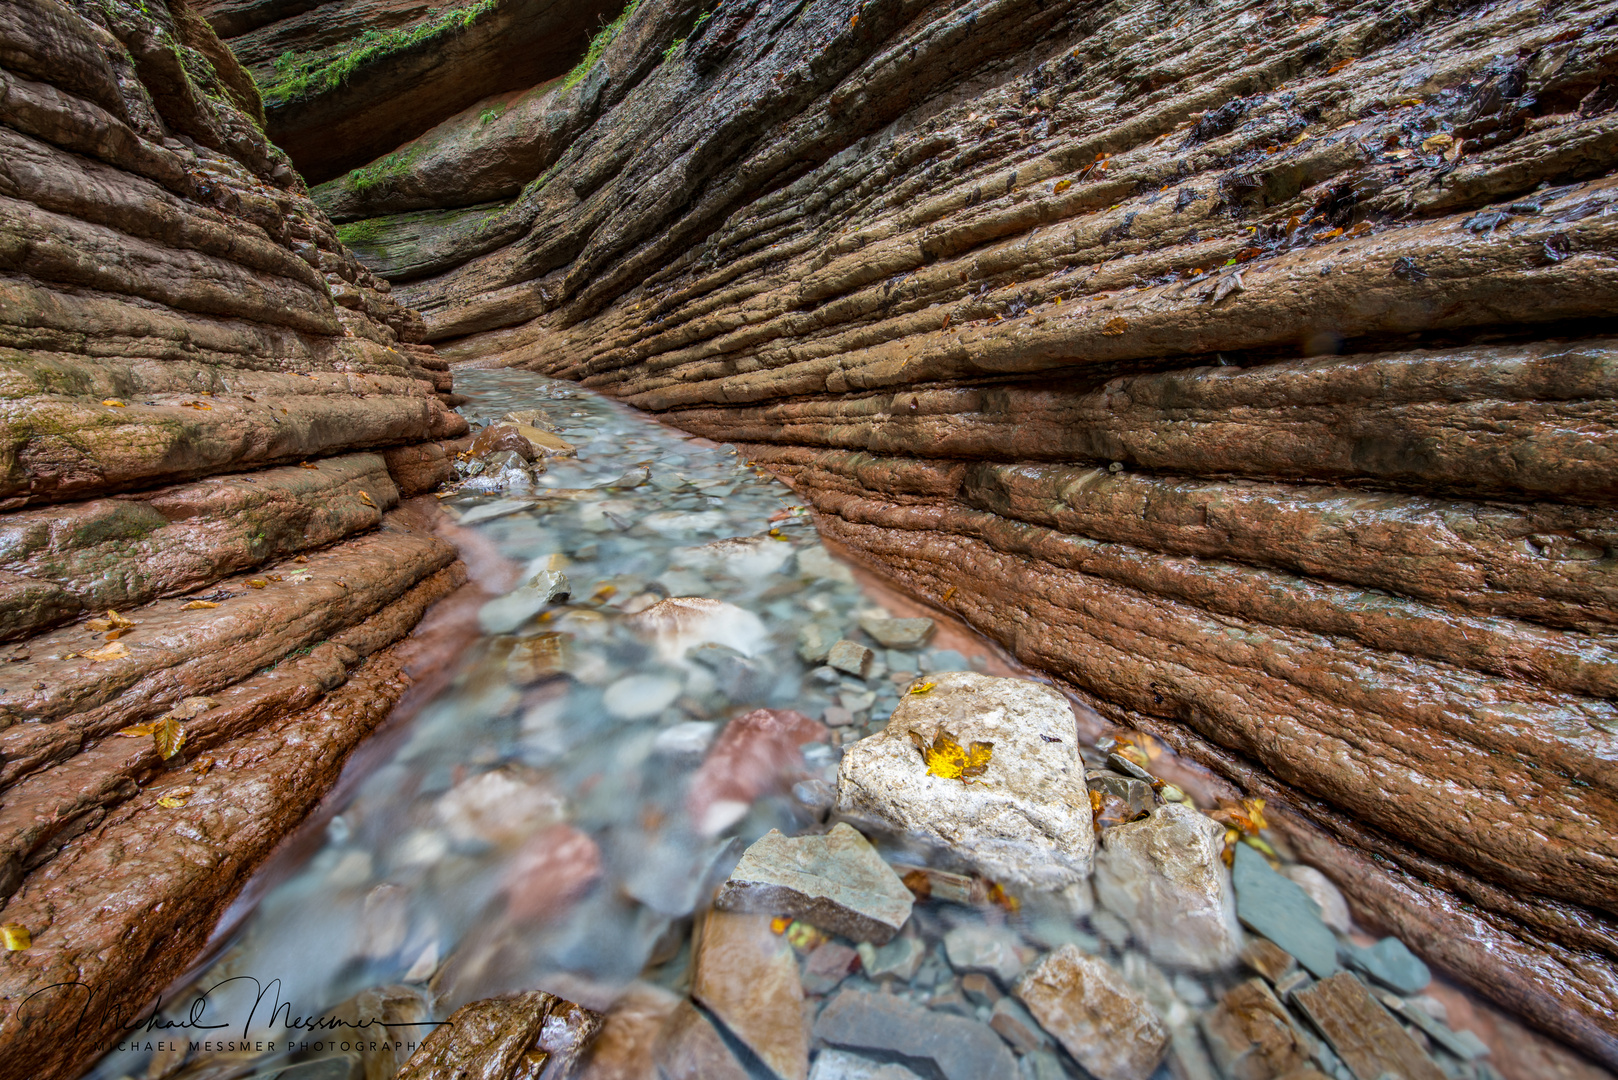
pixel 548 821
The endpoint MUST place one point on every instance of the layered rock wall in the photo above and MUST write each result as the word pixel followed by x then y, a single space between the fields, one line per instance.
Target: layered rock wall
pixel 1248 366
pixel 212 420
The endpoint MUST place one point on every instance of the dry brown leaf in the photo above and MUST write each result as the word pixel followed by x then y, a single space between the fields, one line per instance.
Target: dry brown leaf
pixel 202 765
pixel 169 737
pixel 191 707
pixel 1441 141
pixel 256 583
pixel 16 936
pixel 947 758
pixel 1062 185
pixel 176 798
pixel 1339 66
pixel 139 731
pixel 1115 326
pixel 307 465
pixel 200 604
pixel 114 651
pixel 365 497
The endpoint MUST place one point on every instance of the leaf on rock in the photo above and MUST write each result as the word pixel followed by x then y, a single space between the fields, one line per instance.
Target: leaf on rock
pixel 176 798
pixel 202 765
pixel 169 736
pixel 1441 141
pixel 16 936
pixel 1339 66
pixel 114 651
pixel 139 731
pixel 947 758
pixel 192 706
pixel 1115 326
pixel 365 497
pixel 307 465
pixel 114 403
pixel 199 604
pixel 257 583
pixel 922 688
pixel 1062 185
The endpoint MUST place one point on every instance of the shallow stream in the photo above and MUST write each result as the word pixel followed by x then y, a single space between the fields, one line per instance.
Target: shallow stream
pixel 543 822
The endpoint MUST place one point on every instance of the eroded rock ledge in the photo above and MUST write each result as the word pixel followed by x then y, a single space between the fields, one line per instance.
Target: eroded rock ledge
pixel 213 421
pixel 1249 367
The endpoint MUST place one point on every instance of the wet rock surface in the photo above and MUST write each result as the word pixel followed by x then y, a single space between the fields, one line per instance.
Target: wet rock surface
pixel 1235 370
pixel 1025 820
pixel 836 882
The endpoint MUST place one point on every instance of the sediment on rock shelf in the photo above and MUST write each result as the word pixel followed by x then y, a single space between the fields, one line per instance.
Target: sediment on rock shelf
pixel 214 430
pixel 1247 367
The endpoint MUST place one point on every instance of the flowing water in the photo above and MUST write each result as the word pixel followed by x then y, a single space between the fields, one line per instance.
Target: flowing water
pixel 543 823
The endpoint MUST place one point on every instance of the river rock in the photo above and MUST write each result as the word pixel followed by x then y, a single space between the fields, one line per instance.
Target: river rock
pixel 836 882
pixel 491 1038
pixel 1333 907
pixel 501 437
pixel 841 1065
pixel 756 752
pixel 1252 1036
pixel 900 958
pixel 689 1047
pixel 815 640
pixel 851 657
pixel 882 1024
pixel 1370 1042
pixel 1013 1024
pixel 747 976
pixel 828 965
pixel 1278 908
pixel 641 696
pixel 987 949
pixel 1025 821
pixel 623 1049
pixel 681 622
pixel 898 633
pixel 500 806
pixel 1107 1026
pixel 552 868
pixel 1390 963
pixel 1165 877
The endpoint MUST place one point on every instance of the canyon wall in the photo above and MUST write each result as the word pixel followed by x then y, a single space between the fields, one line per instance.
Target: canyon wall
pixel 212 420
pixel 1248 366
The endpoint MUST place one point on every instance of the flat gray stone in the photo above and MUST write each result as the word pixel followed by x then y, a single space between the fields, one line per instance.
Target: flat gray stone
pixel 1277 907
pixel 986 949
pixel 836 882
pixel 815 641
pixel 898 633
pixel 1390 963
pixel 1013 1024
pixel 900 958
pixel 951 1046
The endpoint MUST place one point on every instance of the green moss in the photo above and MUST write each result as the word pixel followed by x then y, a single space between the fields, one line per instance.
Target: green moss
pixel 300 77
pixel 492 113
pixel 368 231
pixel 382 169
pixel 674 47
pixel 598 45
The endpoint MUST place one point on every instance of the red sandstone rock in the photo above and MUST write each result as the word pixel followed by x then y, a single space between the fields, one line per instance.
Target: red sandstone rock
pixel 755 753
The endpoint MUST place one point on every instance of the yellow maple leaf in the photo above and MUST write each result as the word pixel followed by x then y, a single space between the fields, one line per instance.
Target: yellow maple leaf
pixel 169 736
pixel 16 937
pixel 947 758
pixel 922 688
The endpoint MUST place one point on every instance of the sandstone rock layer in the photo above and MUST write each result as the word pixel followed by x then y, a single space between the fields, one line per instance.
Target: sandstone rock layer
pixel 1247 366
pixel 213 422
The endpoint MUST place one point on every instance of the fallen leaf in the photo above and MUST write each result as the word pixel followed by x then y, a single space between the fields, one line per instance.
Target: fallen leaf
pixel 1454 152
pixel 257 583
pixel 1000 898
pixel 1248 254
pixel 919 884
pixel 1339 66
pixel 806 938
pixel 1095 805
pixel 199 604
pixel 948 759
pixel 192 706
pixel 301 558
pixel 107 652
pixel 114 403
pixel 176 798
pixel 922 688
pixel 307 465
pixel 1332 235
pixel 1435 143
pixel 1115 326
pixel 196 405
pixel 202 765
pixel 1359 230
pixel 1061 186
pixel 114 635
pixel 949 592
pixel 169 737
pixel 1245 818
pixel 365 498
pixel 1230 283
pixel 16 937
pixel 113 621
pixel 139 731
pixel 779 924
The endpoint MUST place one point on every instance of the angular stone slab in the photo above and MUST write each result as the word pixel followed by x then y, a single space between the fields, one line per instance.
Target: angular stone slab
pixel 1278 908
pixel 1165 877
pixel 1252 1034
pixel 956 1048
pixel 1104 1023
pixel 747 977
pixel 1369 1040
pixel 836 882
pixel 898 633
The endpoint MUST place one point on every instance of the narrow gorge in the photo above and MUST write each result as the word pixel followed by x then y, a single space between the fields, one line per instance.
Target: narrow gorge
pixel 1244 370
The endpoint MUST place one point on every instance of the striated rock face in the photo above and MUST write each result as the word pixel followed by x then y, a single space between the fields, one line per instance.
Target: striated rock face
pixel 346 82
pixel 1245 366
pixel 213 422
